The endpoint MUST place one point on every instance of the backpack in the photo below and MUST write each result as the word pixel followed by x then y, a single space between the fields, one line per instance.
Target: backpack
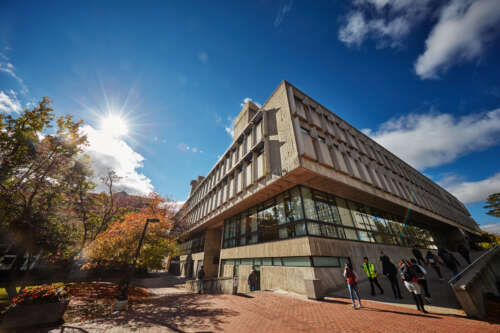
pixel 351 278
pixel 409 274
pixel 418 272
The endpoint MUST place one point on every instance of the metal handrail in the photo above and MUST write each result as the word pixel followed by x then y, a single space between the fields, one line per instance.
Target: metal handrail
pixel 466 269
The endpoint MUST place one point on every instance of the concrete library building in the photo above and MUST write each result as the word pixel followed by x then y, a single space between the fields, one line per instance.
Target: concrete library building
pixel 300 192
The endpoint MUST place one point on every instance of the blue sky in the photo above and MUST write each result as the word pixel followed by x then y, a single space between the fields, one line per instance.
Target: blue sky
pixel 420 77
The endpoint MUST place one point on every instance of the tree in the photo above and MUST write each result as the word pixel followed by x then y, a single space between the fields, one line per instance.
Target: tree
pixel 93 211
pixel 117 245
pixel 34 182
pixel 493 204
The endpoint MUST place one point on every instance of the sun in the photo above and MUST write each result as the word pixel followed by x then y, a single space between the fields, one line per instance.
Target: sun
pixel 114 125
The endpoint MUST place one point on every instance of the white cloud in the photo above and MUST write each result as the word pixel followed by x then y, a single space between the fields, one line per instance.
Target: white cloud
pixel 282 13
pixel 386 21
pixel 469 192
pixel 8 67
pixel 203 57
pixel 248 99
pixel 461 34
pixel 355 30
pixel 229 128
pixel 493 228
pixel 9 102
pixel 177 205
pixel 433 139
pixel 112 153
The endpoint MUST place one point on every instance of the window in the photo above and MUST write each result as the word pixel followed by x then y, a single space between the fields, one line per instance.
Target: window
pixel 321 139
pixel 296 261
pixel 267 261
pixel 305 130
pixel 302 211
pixel 309 209
pixel 326 261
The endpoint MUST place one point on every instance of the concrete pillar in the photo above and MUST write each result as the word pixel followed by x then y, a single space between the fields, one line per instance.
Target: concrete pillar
pixel 212 252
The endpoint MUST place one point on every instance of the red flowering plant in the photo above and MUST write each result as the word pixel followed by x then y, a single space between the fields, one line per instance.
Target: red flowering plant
pixel 53 293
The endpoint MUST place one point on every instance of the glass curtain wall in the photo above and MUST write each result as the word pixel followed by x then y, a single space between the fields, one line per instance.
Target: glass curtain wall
pixel 195 244
pixel 303 211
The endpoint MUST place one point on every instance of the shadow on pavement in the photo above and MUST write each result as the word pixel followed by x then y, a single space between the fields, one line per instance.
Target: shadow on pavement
pixel 400 313
pixel 334 301
pixel 171 311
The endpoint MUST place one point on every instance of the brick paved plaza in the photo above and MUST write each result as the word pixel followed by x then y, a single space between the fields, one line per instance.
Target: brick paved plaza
pixel 173 310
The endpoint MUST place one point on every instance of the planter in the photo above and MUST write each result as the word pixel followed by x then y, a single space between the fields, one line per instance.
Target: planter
pixel 27 315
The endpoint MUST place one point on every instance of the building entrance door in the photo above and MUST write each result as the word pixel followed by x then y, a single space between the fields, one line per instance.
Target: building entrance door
pixel 257 270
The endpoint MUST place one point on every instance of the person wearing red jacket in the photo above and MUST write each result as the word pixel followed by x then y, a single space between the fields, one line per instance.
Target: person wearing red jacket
pixel 352 284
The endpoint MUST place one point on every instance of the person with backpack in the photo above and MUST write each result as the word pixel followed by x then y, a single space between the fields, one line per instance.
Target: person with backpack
pixel 410 280
pixel 201 276
pixel 352 285
pixel 422 281
pixel 435 263
pixel 391 272
pixel 372 275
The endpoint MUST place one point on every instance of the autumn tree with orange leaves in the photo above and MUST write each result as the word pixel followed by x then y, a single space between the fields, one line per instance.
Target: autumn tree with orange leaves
pixel 117 245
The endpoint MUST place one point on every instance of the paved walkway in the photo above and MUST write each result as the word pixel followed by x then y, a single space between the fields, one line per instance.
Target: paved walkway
pixel 174 310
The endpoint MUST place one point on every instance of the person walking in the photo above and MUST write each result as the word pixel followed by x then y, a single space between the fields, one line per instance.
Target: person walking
pixel 422 281
pixel 435 263
pixel 410 280
pixel 372 275
pixel 201 276
pixel 449 260
pixel 391 272
pixel 252 280
pixel 418 255
pixel 352 285
pixel 462 249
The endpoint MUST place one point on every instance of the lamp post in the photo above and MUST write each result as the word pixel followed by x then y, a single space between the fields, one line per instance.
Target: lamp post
pixel 141 240
pixel 124 293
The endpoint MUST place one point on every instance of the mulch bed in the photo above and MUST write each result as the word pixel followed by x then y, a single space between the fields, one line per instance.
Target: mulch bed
pixel 93 300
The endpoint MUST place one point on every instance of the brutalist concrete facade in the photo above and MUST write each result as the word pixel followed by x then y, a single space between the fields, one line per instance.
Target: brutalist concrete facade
pixel 293 140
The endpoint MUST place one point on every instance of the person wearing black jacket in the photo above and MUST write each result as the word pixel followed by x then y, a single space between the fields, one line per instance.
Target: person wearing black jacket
pixel 418 255
pixel 391 272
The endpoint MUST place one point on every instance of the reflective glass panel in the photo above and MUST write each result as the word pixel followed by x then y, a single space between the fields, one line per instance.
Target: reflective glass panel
pixel 313 229
pixel 296 213
pixel 267 261
pixel 324 212
pixel 326 262
pixel 300 229
pixel 296 261
pixel 309 208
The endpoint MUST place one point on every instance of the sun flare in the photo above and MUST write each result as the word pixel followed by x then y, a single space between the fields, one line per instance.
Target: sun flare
pixel 114 125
